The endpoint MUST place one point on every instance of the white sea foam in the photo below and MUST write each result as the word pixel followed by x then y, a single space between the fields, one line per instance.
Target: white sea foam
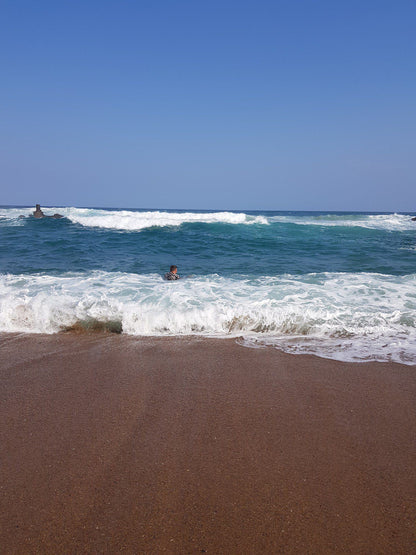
pixel 387 222
pixel 135 221
pixel 130 220
pixel 10 216
pixel 340 316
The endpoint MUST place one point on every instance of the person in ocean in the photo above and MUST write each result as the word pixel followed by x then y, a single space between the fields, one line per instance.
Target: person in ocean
pixel 172 274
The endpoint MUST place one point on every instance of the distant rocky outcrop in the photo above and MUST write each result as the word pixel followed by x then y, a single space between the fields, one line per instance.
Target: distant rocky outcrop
pixel 414 219
pixel 38 213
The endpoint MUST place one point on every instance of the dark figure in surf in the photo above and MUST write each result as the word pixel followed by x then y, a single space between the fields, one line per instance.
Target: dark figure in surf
pixel 172 274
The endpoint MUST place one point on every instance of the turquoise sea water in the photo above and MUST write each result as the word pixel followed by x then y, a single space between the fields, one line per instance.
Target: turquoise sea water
pixel 336 284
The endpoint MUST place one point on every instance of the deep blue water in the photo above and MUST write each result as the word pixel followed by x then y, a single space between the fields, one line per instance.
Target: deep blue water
pixel 281 247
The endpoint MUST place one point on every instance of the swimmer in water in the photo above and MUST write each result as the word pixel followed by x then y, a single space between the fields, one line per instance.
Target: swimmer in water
pixel 172 274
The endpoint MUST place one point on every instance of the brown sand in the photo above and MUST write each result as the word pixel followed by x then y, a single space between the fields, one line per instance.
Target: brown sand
pixel 116 444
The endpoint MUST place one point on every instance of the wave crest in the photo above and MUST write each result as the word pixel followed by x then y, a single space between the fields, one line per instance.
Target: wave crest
pixel 386 222
pixel 136 221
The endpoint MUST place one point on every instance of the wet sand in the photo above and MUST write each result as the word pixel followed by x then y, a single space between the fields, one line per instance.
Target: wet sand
pixel 115 444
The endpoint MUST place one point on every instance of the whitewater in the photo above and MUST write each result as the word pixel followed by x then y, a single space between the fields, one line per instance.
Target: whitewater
pixel 336 285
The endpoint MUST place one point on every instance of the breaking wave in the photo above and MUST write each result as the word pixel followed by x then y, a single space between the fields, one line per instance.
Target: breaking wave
pixel 131 220
pixel 341 316
pixel 136 220
pixel 386 222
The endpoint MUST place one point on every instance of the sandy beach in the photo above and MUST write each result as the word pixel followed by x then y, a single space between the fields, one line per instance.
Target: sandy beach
pixel 118 444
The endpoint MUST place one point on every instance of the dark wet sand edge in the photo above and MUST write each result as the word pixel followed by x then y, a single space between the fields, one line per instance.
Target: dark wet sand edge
pixel 113 443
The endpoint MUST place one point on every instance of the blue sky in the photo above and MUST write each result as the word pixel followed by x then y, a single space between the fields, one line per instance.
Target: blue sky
pixel 301 105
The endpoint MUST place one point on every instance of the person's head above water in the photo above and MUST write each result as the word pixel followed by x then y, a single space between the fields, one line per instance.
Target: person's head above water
pixel 172 275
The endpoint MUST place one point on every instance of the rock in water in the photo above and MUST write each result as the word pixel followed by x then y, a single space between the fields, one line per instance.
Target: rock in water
pixel 38 212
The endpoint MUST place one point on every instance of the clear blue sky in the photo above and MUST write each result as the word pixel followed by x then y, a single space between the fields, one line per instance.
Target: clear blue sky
pixel 280 105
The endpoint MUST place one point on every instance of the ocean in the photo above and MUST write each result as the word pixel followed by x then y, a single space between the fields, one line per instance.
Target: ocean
pixel 337 285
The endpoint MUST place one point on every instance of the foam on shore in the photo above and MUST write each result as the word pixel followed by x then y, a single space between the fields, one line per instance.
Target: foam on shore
pixel 341 316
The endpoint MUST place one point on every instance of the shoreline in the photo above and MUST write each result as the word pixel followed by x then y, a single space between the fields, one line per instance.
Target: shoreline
pixel 114 327
pixel 191 444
